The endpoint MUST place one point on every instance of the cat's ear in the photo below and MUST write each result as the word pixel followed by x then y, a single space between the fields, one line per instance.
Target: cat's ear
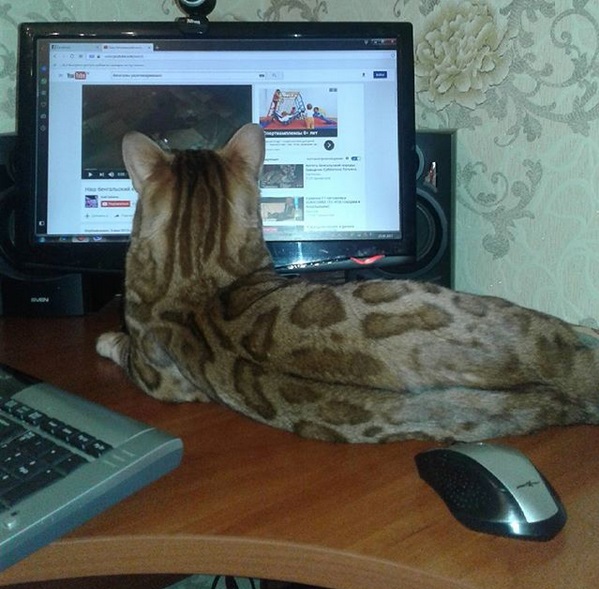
pixel 141 156
pixel 248 144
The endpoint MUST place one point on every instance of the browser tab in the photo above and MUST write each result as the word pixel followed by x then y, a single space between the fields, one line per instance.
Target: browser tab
pixel 128 47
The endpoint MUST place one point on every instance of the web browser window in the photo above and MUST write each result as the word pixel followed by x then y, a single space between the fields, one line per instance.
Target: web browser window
pixel 329 112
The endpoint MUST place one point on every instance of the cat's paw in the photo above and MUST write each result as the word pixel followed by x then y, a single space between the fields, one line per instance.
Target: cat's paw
pixel 588 336
pixel 113 345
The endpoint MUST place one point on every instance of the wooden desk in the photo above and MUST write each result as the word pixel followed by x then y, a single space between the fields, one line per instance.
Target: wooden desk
pixel 249 500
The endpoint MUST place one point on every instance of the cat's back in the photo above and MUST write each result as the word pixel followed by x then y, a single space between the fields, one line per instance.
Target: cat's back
pixel 389 326
pixel 313 305
pixel 306 304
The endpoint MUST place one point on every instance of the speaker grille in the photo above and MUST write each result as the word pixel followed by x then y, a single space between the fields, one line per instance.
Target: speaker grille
pixel 435 189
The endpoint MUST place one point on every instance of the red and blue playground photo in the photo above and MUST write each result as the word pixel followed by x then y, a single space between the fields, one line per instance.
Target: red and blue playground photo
pixel 310 111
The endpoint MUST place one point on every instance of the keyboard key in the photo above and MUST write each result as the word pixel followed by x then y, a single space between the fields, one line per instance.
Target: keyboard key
pixel 35 417
pixel 21 411
pixel 69 464
pixel 82 441
pixel 30 468
pixel 8 405
pixel 9 430
pixel 7 482
pixel 32 443
pixel 52 426
pixel 26 488
pixel 97 448
pixel 11 458
pixel 66 433
pixel 56 454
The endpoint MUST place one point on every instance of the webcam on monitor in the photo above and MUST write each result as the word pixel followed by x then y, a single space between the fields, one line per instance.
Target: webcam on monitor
pixel 196 9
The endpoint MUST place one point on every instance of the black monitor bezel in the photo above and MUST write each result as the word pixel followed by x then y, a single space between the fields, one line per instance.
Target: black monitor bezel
pixel 110 256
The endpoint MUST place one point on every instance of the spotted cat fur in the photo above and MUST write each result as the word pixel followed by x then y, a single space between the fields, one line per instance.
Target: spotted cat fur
pixel 209 319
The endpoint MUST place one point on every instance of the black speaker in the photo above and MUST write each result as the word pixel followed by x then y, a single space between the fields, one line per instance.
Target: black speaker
pixel 56 296
pixel 25 294
pixel 435 189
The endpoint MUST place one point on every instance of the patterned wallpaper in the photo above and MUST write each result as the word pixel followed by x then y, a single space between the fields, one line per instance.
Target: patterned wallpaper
pixel 519 79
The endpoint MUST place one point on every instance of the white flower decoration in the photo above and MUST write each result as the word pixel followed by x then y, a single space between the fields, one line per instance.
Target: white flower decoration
pixel 460 53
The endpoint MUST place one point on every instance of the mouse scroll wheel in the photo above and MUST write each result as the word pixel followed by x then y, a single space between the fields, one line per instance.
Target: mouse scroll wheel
pixel 460 491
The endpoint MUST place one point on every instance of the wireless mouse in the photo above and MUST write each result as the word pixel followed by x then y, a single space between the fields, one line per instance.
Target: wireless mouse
pixel 493 489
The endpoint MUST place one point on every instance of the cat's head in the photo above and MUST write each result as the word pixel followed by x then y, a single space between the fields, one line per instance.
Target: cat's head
pixel 198 210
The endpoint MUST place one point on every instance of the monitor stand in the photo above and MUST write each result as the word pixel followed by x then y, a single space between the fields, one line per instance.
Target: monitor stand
pixel 57 295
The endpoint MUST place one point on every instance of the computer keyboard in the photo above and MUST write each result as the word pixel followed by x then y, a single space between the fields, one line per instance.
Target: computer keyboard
pixel 64 459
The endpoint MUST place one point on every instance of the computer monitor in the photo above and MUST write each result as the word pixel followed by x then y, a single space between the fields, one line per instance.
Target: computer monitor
pixel 335 100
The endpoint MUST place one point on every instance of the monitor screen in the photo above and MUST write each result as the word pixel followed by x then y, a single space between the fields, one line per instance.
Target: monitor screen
pixel 335 101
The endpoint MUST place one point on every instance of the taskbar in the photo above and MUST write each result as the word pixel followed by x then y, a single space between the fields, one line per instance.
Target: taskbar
pixel 122 238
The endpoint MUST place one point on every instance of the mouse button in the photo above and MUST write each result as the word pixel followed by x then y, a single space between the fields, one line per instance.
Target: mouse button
pixel 537 499
pixel 463 484
pixel 518 478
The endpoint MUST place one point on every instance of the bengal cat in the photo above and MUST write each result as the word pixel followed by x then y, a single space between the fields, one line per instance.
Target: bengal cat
pixel 208 319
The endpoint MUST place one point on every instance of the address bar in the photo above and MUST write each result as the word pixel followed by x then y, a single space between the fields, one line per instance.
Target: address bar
pixel 208 75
